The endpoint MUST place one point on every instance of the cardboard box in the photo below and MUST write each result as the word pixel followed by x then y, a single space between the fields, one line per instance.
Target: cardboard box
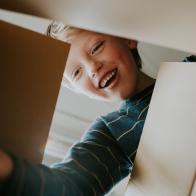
pixel 32 67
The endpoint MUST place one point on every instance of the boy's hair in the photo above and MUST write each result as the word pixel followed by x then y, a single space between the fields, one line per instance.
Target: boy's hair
pixel 66 33
pixel 58 30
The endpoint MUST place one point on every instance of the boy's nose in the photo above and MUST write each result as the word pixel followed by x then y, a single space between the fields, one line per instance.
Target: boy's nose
pixel 94 68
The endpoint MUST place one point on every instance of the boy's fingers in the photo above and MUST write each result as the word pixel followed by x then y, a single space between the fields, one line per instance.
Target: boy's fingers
pixel 6 166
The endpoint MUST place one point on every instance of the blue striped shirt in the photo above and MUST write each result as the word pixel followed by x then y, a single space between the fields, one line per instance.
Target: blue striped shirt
pixel 103 157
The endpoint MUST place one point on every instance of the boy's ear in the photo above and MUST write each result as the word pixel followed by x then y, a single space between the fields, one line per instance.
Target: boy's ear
pixel 132 44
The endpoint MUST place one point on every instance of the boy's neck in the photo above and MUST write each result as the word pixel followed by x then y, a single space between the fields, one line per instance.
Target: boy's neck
pixel 143 82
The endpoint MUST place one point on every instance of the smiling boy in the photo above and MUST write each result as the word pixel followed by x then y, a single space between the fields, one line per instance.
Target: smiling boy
pixel 104 68
pixel 101 66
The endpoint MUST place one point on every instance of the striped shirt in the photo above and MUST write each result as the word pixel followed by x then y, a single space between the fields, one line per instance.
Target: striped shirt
pixel 103 157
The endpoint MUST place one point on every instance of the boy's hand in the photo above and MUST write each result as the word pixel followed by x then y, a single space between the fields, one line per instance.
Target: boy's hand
pixel 6 166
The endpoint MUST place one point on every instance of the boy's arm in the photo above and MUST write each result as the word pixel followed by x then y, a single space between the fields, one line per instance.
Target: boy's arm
pixel 91 167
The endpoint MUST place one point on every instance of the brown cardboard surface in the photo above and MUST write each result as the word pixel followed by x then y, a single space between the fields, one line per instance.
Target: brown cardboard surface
pixel 32 67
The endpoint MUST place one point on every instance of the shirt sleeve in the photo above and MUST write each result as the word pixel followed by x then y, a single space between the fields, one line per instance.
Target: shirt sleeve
pixel 91 167
pixel 191 58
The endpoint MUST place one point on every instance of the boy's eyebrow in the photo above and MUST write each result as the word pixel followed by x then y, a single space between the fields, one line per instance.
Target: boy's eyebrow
pixel 88 43
pixel 92 40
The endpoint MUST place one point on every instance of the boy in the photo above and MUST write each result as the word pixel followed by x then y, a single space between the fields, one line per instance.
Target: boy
pixel 104 68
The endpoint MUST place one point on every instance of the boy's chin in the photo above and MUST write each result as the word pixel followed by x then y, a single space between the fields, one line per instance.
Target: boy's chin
pixel 105 99
pixel 113 97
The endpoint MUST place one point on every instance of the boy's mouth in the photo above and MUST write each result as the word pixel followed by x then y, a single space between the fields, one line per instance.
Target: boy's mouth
pixel 108 79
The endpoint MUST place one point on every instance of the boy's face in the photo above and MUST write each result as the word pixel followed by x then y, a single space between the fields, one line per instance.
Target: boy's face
pixel 101 66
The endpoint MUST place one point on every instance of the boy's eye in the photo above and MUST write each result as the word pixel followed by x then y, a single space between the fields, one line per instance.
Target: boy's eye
pixel 76 72
pixel 97 48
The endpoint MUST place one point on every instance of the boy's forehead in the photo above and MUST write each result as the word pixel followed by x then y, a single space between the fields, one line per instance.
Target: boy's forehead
pixel 83 41
pixel 85 35
pixel 88 34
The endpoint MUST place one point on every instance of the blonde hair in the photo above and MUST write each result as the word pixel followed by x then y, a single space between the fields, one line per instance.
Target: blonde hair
pixel 58 30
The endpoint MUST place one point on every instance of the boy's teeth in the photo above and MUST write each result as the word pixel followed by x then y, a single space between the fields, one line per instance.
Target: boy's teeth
pixel 104 81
